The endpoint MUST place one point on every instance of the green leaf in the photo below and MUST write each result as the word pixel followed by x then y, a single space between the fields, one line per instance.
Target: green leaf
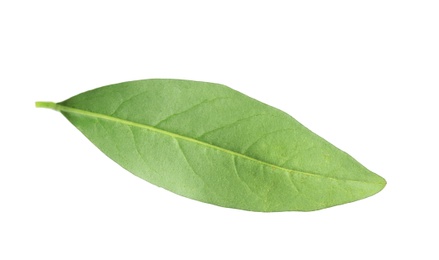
pixel 210 143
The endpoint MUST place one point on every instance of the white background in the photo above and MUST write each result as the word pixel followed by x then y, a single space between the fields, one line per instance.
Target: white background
pixel 362 74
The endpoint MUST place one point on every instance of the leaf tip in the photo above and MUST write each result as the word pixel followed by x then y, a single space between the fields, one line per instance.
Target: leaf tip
pixel 378 186
pixel 383 183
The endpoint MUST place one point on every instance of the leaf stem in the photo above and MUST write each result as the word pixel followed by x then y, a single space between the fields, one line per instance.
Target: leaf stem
pixel 44 104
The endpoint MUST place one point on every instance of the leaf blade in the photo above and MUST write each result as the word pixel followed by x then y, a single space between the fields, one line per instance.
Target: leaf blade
pixel 167 106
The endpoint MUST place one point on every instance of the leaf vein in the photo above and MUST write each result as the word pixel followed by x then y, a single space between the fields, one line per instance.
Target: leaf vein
pixel 231 124
pixel 189 109
pixel 189 139
pixel 127 100
pixel 265 135
pixel 244 182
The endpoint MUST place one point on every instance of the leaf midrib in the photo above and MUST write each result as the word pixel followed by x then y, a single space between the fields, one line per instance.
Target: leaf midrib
pixel 67 109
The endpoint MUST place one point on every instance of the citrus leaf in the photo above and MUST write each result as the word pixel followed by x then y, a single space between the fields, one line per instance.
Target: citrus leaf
pixel 210 143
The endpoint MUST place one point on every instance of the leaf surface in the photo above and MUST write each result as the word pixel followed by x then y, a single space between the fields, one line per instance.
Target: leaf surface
pixel 210 143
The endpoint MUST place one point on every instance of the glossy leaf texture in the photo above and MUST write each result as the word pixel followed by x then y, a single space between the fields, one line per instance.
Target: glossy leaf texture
pixel 210 143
